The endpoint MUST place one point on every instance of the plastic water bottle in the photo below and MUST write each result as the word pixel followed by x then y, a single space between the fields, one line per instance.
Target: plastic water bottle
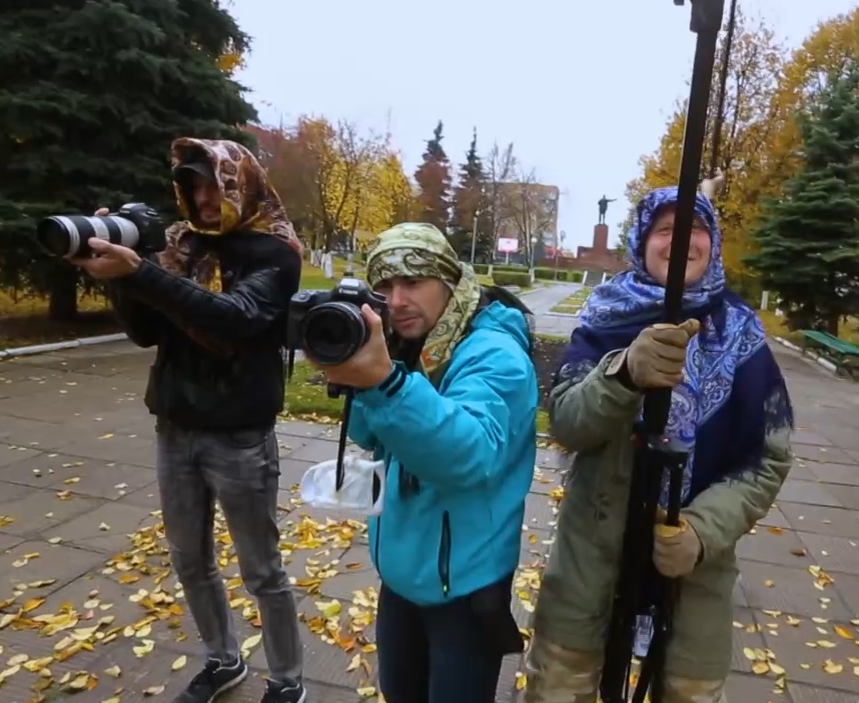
pixel 643 635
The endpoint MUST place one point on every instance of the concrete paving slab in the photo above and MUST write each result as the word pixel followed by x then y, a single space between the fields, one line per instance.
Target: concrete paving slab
pixel 45 423
pixel 774 545
pixel 837 522
pixel 40 512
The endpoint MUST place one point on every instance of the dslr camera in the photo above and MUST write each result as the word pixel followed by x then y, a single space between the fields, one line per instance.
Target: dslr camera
pixel 135 225
pixel 329 325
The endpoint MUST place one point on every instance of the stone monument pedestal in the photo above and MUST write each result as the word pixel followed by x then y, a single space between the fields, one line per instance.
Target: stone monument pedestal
pixel 600 243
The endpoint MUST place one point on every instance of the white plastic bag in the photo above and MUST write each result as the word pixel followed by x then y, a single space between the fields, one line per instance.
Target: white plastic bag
pixel 319 486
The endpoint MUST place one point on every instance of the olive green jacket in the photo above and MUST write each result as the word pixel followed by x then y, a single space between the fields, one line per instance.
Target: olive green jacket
pixel 593 418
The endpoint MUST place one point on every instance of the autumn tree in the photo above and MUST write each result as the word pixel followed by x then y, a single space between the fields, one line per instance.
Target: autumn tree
pixel 825 52
pixel 533 209
pixel 434 180
pixel 500 167
pixel 748 125
pixel 93 94
pixel 808 244
pixel 336 183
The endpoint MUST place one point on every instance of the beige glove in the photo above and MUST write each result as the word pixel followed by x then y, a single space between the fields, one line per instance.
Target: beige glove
pixel 656 357
pixel 676 550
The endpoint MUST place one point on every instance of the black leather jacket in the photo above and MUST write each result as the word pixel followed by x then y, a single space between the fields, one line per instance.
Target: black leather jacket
pixel 219 364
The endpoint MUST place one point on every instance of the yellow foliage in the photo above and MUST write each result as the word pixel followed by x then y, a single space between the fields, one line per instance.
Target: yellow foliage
pixel 759 141
pixel 230 61
pixel 357 183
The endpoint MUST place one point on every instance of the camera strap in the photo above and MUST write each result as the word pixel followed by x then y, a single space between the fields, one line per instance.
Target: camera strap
pixel 340 471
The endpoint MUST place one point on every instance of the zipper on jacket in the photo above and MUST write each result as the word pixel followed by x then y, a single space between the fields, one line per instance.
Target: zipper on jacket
pixel 379 523
pixel 378 535
pixel 444 549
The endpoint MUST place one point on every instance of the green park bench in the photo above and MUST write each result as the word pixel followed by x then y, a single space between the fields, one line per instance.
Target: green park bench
pixel 843 354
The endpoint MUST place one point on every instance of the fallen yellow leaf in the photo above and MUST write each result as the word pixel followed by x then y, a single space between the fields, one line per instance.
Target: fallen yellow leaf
pixel 250 643
pixel 179 663
pixel 78 683
pixel 830 667
pixel 329 609
pixel 35 665
pixel 8 619
pixel 521 681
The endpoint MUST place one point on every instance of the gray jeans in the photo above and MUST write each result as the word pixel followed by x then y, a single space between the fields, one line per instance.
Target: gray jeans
pixel 240 469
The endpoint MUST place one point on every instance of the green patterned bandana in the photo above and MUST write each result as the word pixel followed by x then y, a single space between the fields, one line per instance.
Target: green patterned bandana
pixel 415 249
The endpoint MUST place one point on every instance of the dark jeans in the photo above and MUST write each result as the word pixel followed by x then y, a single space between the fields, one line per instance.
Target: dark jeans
pixel 439 654
pixel 240 470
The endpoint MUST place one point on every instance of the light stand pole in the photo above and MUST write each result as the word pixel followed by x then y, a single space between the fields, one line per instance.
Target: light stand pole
pixel 558 244
pixel 474 236
pixel 531 263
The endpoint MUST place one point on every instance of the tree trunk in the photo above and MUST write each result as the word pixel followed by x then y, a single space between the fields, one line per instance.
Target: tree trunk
pixel 832 321
pixel 63 304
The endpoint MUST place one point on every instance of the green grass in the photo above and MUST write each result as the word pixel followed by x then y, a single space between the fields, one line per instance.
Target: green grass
pixel 313 278
pixel 307 399
pixel 572 303
pixel 776 327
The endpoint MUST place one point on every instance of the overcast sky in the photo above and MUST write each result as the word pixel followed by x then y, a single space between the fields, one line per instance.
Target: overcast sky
pixel 581 88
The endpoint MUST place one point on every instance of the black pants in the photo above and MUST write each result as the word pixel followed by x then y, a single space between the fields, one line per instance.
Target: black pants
pixel 440 654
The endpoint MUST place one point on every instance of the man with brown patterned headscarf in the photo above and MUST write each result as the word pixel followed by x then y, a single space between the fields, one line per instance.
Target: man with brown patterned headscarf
pixel 214 303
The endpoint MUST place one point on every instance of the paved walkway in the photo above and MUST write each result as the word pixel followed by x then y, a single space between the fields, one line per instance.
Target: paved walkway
pixel 542 300
pixel 88 603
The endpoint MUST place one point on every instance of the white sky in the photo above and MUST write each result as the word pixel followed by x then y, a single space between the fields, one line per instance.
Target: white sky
pixel 581 88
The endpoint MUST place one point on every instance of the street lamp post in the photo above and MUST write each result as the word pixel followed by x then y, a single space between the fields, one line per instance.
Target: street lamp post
pixel 474 236
pixel 558 244
pixel 533 246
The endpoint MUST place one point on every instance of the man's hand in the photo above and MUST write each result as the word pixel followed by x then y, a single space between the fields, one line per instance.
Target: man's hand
pixel 108 260
pixel 370 365
pixel 676 550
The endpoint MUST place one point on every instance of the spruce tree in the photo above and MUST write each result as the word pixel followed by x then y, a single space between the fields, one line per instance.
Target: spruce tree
pixel 469 199
pixel 93 92
pixel 808 240
pixel 433 178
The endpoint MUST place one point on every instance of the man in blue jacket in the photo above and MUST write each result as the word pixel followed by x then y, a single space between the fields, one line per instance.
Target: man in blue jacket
pixel 449 401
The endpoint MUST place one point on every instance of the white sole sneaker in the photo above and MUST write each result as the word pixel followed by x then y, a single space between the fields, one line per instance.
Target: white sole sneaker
pixel 231 684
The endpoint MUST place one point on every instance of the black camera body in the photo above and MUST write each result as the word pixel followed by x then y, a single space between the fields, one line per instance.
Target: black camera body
pixel 135 225
pixel 329 325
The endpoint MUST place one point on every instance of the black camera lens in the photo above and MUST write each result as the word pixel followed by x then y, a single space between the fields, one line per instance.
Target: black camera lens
pixel 333 332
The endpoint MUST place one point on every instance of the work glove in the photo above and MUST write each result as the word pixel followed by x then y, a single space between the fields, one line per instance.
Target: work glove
pixel 656 358
pixel 676 550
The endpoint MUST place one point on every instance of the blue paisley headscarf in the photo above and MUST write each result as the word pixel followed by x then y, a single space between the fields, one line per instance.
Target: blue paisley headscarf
pixel 732 386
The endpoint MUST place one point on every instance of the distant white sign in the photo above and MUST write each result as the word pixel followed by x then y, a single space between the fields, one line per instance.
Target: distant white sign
pixel 508 246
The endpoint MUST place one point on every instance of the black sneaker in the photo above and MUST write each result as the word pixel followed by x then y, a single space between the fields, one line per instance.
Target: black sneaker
pixel 212 681
pixel 284 693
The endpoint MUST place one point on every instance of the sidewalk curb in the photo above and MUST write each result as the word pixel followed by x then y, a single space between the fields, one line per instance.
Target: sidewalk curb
pixel 100 339
pixel 825 363
pixel 61 346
